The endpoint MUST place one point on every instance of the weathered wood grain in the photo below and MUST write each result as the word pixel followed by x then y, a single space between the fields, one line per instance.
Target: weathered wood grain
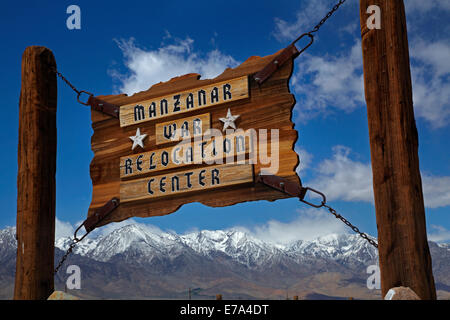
pixel 188 181
pixel 183 128
pixel 203 150
pixel 36 191
pixel 268 106
pixel 182 102
pixel 402 238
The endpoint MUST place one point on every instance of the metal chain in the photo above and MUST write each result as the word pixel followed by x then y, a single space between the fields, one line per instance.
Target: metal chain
pixel 68 252
pixel 89 226
pixel 78 92
pixel 65 80
pixel 72 245
pixel 75 240
pixel 329 14
pixel 354 228
pixel 323 204
pixel 317 27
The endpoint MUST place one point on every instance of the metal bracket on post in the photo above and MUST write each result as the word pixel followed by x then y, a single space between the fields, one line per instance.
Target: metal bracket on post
pixel 103 106
pixel 95 103
pixel 91 222
pixel 290 52
pixel 291 188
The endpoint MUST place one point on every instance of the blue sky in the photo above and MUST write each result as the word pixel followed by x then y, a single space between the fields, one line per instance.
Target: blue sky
pixel 128 46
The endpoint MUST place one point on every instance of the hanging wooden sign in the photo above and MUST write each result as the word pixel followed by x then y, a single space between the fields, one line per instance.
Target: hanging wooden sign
pixel 191 140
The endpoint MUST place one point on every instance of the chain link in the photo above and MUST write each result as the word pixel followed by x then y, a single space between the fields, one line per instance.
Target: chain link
pixel 323 204
pixel 310 34
pixel 78 92
pixel 74 241
pixel 329 14
pixel 65 80
pixel 63 259
pixel 354 228
pixel 72 245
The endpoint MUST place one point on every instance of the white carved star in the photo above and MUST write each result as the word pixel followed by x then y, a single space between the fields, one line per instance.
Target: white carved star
pixel 138 139
pixel 229 120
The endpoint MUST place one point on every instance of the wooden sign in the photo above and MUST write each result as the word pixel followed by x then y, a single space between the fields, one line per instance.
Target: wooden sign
pixel 159 156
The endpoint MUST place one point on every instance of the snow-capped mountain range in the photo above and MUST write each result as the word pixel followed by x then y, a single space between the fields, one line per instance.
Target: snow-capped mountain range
pixel 144 244
pixel 139 262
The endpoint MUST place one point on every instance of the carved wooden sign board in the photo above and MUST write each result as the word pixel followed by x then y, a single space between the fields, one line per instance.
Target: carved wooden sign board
pixel 191 140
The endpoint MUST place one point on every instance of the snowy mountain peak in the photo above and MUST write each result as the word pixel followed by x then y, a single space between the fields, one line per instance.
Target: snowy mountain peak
pixel 225 241
pixel 143 244
pixel 139 243
pixel 7 239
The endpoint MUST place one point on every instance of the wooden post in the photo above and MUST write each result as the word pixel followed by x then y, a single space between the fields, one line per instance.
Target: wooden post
pixel 402 238
pixel 36 176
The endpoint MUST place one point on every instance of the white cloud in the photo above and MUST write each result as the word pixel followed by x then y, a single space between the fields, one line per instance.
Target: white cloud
pixel 341 178
pixel 327 83
pixel 305 159
pixel 433 54
pixel 352 28
pixel 323 83
pixel 63 229
pixel 336 82
pixel 308 225
pixel 436 191
pixel 440 234
pixel 306 18
pixel 421 6
pixel 430 76
pixel 148 67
